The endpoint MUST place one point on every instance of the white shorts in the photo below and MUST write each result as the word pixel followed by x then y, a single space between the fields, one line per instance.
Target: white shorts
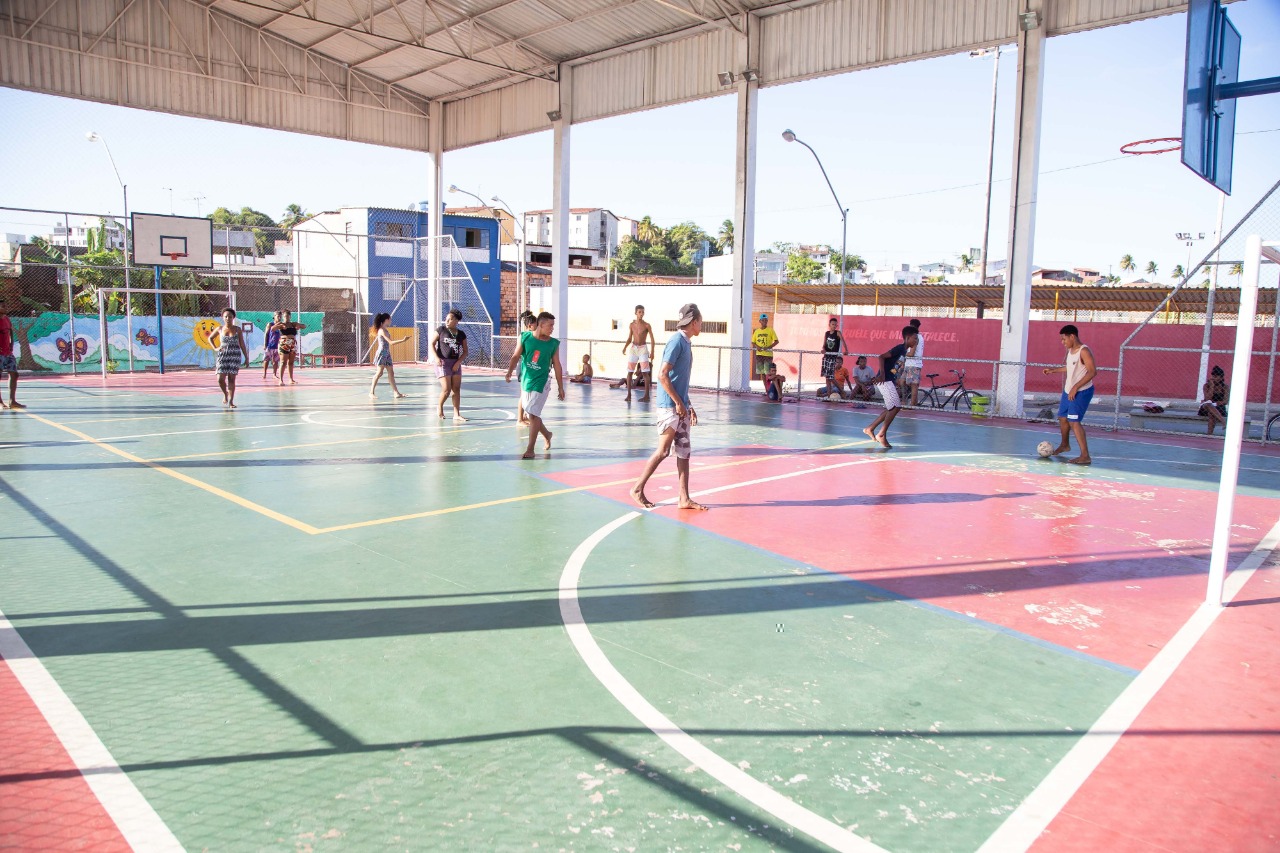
pixel 533 401
pixel 638 354
pixel 668 419
pixel 889 391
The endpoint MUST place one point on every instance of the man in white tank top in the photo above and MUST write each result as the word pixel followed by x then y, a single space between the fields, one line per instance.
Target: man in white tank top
pixel 1077 392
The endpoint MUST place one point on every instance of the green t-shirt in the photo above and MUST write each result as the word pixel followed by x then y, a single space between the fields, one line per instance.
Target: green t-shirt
pixel 536 359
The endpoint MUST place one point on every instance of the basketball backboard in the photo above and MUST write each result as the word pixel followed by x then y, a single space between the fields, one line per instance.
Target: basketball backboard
pixel 172 241
pixel 1208 119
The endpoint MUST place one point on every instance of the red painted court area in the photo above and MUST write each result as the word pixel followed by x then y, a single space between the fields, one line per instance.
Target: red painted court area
pixel 47 804
pixel 1097 567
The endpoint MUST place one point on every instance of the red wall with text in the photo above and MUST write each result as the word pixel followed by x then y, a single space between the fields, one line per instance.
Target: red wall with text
pixel 951 343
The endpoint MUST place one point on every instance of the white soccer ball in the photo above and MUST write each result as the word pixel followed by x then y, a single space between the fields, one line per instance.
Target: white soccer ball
pixel 1045 449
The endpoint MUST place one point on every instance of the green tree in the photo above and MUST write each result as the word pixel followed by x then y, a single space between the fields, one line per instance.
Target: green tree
pixel 1237 269
pixel 293 214
pixel 802 268
pixel 724 238
pixel 1178 273
pixel 782 247
pixel 1127 264
pixel 264 228
pixel 1152 269
pixel 966 263
pixel 648 232
pixel 852 263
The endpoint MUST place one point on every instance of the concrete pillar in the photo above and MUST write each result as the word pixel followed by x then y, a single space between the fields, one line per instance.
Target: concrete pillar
pixel 744 210
pixel 560 206
pixel 1011 377
pixel 435 219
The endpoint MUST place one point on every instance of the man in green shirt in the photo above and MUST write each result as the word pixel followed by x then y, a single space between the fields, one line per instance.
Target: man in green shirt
pixel 538 355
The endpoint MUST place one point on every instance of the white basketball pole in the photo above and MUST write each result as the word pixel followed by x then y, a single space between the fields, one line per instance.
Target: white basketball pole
pixel 1237 406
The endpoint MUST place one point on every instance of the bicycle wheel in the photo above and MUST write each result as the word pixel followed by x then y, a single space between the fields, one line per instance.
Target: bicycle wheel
pixel 965 398
pixel 926 400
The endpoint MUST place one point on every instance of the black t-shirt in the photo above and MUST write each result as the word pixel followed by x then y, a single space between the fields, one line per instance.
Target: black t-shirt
pixel 449 344
pixel 831 342
pixel 891 362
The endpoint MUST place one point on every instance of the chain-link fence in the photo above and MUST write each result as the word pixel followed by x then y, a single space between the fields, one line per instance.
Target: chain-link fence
pixel 77 304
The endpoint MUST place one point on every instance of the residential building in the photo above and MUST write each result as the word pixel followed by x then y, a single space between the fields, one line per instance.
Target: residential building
pixel 371 251
pixel 901 274
pixel 589 228
pixel 1042 275
pixel 75 232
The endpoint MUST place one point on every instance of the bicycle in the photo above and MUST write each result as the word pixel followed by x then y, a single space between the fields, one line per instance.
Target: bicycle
pixel 933 397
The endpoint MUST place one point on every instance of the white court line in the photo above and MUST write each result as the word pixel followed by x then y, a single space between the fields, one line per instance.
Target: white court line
pixel 1025 824
pixel 751 789
pixel 197 431
pixel 137 821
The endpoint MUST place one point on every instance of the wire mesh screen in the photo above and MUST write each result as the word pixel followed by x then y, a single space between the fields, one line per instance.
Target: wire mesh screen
pixel 1168 363
pixel 457 292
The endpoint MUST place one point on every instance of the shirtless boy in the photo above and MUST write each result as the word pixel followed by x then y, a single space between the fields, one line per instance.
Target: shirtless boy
pixel 637 351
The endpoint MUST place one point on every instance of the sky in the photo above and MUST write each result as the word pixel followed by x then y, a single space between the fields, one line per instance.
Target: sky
pixel 905 147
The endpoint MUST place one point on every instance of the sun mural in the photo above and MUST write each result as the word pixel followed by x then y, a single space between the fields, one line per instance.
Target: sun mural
pixel 201 331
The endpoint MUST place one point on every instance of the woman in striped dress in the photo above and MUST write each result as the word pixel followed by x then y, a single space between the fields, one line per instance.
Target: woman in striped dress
pixel 231 354
pixel 380 337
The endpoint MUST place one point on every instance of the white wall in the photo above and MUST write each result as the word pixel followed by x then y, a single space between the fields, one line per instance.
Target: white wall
pixel 326 256
pixel 593 311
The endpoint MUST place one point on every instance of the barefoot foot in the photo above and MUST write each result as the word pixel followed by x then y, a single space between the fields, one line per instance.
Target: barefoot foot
pixel 639 498
pixel 1081 460
pixel 16 405
pixel 869 434
pixel 547 440
pixel 690 504
pixel 459 419
pixel 527 455
pixel 1060 449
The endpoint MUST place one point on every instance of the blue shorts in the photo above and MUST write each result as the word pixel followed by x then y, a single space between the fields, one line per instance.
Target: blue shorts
pixel 1073 410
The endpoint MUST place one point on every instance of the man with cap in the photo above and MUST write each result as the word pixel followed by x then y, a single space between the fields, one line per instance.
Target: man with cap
pixel 763 340
pixel 675 414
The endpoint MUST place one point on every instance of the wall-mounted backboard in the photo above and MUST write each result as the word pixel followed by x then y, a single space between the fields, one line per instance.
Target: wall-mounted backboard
pixel 172 241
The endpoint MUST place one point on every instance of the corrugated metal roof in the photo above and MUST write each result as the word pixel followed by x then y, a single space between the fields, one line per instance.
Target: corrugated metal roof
pixel 313 66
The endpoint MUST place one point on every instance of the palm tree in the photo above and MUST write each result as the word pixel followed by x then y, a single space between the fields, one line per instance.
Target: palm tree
pixel 648 232
pixel 293 214
pixel 725 236
pixel 1127 264
pixel 1237 269
pixel 1152 269
pixel 966 263
pixel 1178 273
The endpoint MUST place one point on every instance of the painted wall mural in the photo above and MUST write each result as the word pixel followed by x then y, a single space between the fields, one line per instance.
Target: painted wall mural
pixel 55 342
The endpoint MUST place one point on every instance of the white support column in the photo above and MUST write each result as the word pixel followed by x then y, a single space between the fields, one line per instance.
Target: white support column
pixel 560 206
pixel 744 210
pixel 435 217
pixel 1011 378
pixel 1237 406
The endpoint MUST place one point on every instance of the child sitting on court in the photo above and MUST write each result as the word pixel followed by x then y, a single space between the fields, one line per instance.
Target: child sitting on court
pixel 773 384
pixel 584 377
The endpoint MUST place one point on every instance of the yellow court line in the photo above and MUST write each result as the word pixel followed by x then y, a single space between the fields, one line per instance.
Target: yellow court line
pixel 568 490
pixel 177 475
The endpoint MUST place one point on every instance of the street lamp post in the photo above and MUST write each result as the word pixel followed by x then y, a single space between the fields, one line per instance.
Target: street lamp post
pixel 844 217
pixel 94 136
pixel 454 188
pixel 521 242
pixel 991 157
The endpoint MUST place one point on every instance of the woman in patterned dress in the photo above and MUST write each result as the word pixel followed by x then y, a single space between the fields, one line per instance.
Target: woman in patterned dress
pixel 288 345
pixel 231 354
pixel 380 337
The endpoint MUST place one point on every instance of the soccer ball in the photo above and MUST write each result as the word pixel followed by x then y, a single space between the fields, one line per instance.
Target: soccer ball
pixel 1045 449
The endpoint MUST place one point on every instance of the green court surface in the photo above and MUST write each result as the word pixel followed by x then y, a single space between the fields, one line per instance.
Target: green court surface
pixel 322 622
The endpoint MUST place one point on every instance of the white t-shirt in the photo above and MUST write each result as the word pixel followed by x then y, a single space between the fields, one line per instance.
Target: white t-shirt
pixel 917 360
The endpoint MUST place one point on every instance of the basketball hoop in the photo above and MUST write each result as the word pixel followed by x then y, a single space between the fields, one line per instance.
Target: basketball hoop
pixel 1160 146
pixel 173 256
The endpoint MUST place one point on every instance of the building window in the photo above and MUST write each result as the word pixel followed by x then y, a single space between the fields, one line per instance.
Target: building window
pixel 473 238
pixel 615 325
pixel 390 229
pixel 393 286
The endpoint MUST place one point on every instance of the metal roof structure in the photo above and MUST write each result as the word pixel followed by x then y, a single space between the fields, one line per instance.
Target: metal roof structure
pixel 373 70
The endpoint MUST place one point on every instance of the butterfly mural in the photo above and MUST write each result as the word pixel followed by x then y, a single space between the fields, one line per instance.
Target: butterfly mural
pixel 72 350
pixel 146 338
